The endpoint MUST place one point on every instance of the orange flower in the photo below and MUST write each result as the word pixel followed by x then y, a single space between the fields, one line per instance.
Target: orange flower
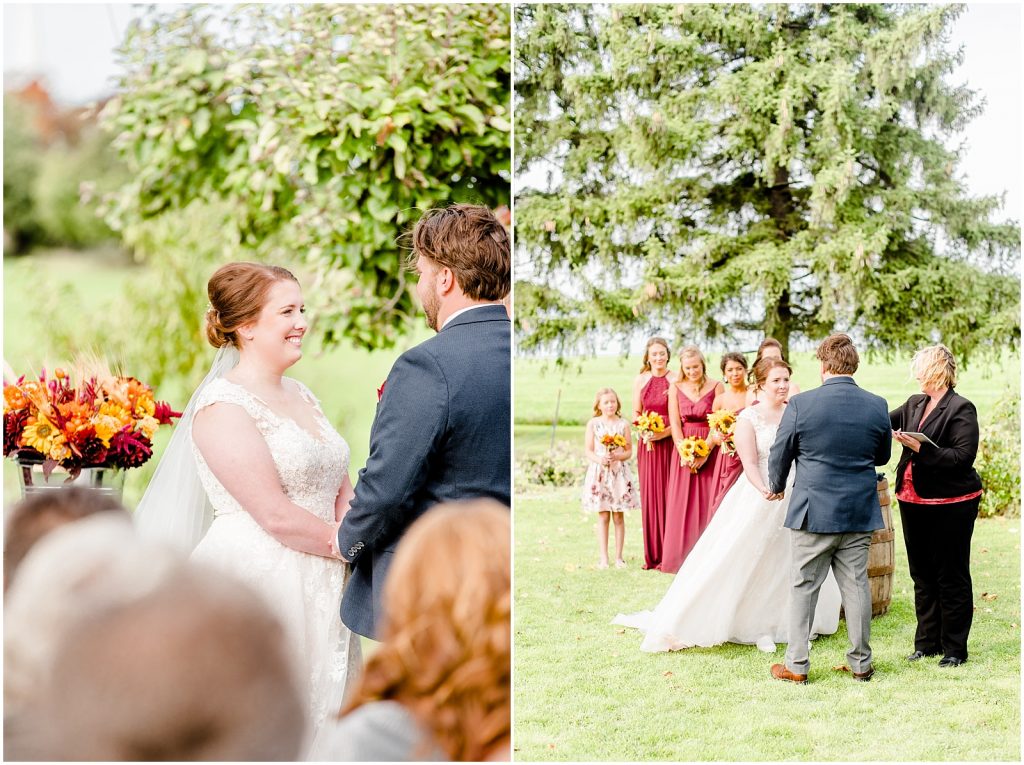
pixel 14 399
pixel 76 410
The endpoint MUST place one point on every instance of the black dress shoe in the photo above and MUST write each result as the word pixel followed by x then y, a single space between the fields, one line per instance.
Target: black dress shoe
pixel 951 661
pixel 919 655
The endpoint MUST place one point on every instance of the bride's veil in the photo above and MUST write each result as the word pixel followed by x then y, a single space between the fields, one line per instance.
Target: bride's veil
pixel 175 509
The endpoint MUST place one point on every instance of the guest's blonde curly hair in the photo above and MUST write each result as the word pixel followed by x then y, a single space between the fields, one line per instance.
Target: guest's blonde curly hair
pixel 447 643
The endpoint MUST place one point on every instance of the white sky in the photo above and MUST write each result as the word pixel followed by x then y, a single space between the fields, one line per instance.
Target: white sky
pixel 72 46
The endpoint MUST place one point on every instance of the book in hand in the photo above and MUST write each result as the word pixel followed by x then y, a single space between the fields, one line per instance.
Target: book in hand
pixel 920 437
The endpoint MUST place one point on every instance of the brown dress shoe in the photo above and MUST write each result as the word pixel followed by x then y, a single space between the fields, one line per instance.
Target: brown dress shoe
pixel 781 672
pixel 860 676
pixel 864 676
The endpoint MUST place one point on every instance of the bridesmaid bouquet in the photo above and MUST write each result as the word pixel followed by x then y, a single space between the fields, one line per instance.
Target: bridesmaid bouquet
pixel 103 420
pixel 692 449
pixel 723 422
pixel 616 441
pixel 648 425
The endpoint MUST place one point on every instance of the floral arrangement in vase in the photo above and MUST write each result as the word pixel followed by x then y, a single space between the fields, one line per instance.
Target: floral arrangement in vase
pixel 98 419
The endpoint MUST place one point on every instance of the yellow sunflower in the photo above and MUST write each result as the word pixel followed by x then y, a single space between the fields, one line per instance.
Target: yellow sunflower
pixel 41 434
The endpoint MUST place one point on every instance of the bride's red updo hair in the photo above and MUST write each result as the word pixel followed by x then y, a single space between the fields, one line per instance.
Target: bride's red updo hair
pixel 766 365
pixel 238 292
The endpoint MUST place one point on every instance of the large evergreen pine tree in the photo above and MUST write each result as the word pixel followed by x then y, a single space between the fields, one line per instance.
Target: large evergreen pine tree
pixel 778 169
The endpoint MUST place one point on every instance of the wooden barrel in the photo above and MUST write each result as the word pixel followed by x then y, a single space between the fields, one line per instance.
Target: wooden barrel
pixel 881 559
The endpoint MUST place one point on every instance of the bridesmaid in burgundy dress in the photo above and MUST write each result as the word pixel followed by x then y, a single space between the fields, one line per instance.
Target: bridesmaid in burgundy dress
pixel 728 467
pixel 688 496
pixel 650 394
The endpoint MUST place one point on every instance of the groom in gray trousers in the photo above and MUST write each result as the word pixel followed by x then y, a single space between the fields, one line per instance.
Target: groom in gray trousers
pixel 837 435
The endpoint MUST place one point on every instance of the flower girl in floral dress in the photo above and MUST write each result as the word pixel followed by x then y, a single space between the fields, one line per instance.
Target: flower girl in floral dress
pixel 608 489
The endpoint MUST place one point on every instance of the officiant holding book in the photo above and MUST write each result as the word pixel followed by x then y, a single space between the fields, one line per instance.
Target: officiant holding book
pixel 939 492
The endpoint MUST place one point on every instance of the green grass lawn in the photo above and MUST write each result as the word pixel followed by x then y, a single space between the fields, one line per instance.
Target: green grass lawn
pixel 584 691
pixel 345 379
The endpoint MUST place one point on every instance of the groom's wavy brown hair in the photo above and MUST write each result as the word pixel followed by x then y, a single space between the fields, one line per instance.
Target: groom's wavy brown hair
pixel 838 355
pixel 446 654
pixel 470 241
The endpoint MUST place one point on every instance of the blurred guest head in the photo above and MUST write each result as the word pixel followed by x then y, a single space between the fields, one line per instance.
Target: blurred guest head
pixel 39 514
pixel 934 368
pixel 446 651
pixel 75 570
pixel 196 669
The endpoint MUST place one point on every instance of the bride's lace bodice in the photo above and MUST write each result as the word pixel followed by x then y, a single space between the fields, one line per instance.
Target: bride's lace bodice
pixel 764 437
pixel 311 467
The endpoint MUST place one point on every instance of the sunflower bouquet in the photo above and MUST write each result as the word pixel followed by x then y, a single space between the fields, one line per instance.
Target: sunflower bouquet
pixel 723 422
pixel 102 420
pixel 648 425
pixel 613 441
pixel 691 449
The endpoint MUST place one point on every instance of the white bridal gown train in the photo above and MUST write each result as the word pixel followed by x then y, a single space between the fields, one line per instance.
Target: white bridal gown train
pixel 734 586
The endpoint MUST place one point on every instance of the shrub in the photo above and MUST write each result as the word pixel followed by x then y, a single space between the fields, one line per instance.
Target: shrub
pixel 21 166
pixel 998 460
pixel 67 189
pixel 559 466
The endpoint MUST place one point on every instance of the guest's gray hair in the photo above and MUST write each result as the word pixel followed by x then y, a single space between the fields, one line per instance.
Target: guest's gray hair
pixel 73 571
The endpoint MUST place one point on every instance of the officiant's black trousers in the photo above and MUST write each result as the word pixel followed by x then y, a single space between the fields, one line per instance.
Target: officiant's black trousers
pixel 938 539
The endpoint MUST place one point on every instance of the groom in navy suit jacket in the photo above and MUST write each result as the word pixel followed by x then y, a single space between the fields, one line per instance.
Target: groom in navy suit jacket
pixel 837 435
pixel 442 428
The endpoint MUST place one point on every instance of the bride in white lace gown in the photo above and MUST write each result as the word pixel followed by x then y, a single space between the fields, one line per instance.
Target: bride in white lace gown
pixel 276 476
pixel 734 586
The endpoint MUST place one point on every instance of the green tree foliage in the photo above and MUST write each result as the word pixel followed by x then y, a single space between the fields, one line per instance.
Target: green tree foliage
pixel 314 136
pixel 21 168
pixel 778 169
pixel 70 182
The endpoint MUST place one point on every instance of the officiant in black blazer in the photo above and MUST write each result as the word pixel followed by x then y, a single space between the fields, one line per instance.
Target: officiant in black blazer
pixel 442 428
pixel 939 492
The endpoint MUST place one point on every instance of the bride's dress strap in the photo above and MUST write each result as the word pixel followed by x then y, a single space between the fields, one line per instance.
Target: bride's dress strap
pixel 226 392
pixel 309 397
pixel 750 413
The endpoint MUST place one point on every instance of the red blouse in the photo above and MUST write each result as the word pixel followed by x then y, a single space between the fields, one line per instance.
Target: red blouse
pixel 907 493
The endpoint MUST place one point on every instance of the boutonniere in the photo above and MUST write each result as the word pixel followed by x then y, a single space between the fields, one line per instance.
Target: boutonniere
pixel 380 390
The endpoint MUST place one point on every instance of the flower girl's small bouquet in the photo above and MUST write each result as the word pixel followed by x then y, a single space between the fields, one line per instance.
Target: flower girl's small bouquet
pixel 691 449
pixel 723 422
pixel 648 425
pixel 99 420
pixel 613 441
